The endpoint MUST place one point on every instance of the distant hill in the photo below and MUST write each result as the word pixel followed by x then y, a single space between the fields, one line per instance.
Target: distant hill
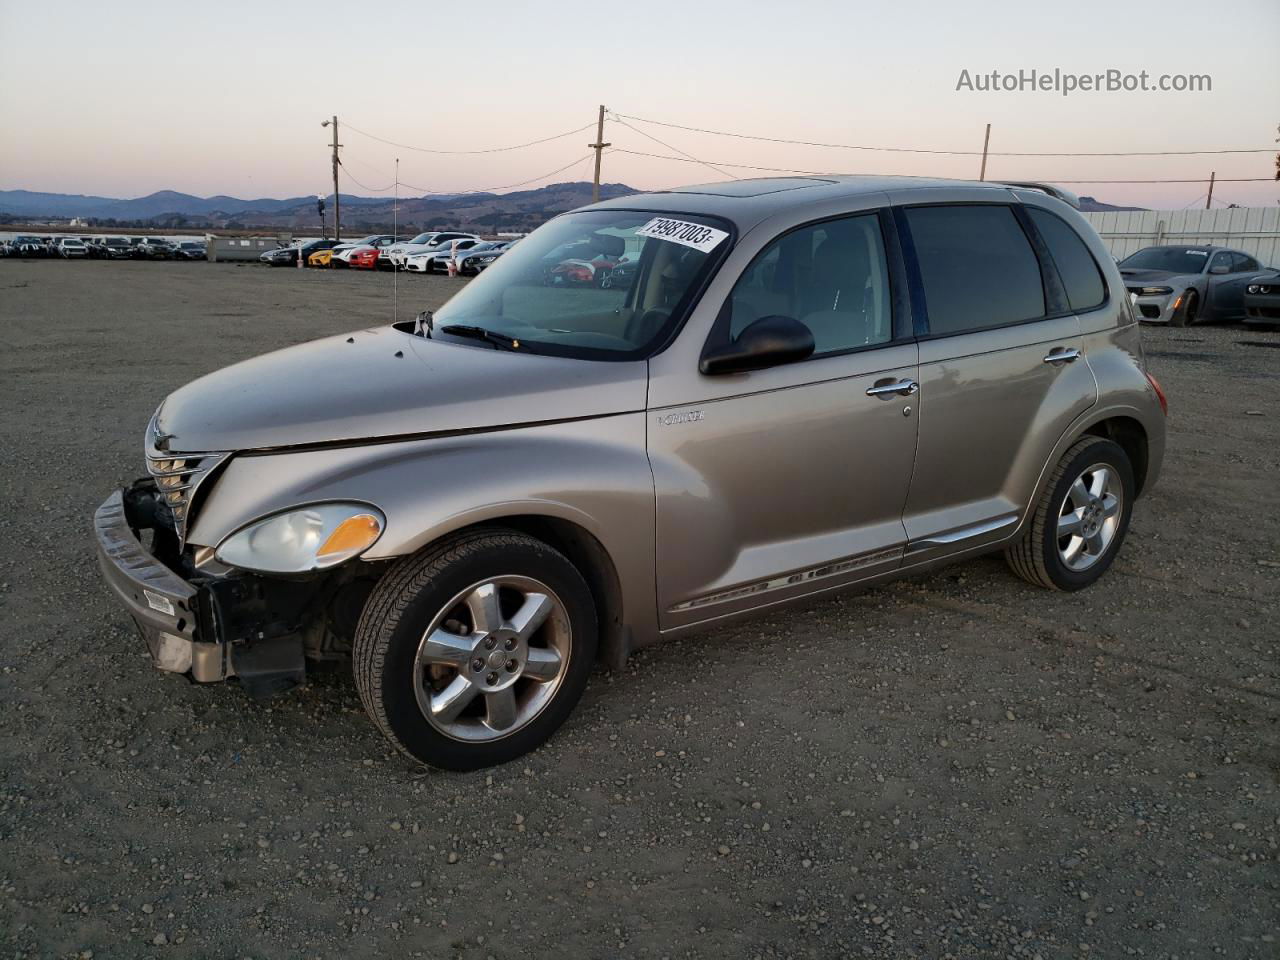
pixel 1090 205
pixel 516 211
pixel 523 209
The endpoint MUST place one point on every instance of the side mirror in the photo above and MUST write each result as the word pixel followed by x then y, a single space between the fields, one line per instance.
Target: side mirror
pixel 1220 268
pixel 768 342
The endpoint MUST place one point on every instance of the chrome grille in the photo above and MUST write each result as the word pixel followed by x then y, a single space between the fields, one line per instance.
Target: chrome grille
pixel 177 476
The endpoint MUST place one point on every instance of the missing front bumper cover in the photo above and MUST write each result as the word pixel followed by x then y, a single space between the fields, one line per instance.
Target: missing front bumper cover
pixel 208 629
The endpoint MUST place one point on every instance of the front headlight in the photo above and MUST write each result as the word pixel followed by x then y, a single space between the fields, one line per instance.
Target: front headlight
pixel 1156 291
pixel 311 538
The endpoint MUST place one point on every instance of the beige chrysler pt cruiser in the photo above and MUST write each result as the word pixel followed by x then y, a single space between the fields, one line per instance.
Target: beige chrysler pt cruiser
pixel 651 416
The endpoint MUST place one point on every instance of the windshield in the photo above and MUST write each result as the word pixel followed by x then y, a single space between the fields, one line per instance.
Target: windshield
pixel 190 245
pixel 116 242
pixel 600 284
pixel 423 238
pixel 1173 259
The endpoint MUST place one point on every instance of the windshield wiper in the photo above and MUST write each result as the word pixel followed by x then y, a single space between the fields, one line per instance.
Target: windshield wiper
pixel 500 340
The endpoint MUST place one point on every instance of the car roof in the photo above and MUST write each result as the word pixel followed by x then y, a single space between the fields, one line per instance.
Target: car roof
pixel 746 202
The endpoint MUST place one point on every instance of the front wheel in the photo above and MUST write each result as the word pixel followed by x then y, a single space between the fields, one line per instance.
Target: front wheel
pixel 1189 312
pixel 1081 519
pixel 475 651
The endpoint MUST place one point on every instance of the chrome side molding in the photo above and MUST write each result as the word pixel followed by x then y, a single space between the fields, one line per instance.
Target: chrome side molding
pixel 964 533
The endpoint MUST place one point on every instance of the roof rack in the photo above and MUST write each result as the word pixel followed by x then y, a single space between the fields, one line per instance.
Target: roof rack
pixel 1066 196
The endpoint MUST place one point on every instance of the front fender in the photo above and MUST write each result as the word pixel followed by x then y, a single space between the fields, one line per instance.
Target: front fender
pixel 593 473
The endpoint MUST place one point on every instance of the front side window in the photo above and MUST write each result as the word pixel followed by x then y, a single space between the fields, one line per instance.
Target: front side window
pixel 598 284
pixel 1220 261
pixel 1076 266
pixel 977 267
pixel 831 276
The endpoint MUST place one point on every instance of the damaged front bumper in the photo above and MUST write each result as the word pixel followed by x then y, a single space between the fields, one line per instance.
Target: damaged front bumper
pixel 208 628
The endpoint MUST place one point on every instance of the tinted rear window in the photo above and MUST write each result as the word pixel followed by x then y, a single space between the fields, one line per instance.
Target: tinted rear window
pixel 1076 266
pixel 977 266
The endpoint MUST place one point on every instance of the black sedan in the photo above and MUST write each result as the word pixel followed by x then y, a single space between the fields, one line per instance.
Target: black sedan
pixel 288 256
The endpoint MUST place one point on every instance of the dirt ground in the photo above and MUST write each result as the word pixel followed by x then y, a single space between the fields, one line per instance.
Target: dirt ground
pixel 956 765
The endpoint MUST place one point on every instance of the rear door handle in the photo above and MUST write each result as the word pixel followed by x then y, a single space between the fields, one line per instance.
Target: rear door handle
pixel 888 389
pixel 1060 355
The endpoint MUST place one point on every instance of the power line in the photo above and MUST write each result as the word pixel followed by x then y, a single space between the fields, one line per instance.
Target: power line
pixel 663 143
pixel 954 153
pixel 828 173
pixel 517 146
pixel 424 190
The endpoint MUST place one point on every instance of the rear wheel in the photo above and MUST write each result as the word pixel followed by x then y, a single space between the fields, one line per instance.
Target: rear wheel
pixel 1080 521
pixel 475 652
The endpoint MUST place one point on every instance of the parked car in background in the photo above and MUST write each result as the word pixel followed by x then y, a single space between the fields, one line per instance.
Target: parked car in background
pixel 435 259
pixel 480 256
pixel 72 248
pixel 399 254
pixel 153 248
pixel 484 502
pixel 1262 300
pixel 190 250
pixel 342 252
pixel 111 248
pixel 364 258
pixel 1182 284
pixel 321 258
pixel 26 246
pixel 288 256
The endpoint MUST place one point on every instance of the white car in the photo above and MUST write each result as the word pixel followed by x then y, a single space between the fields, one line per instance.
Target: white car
pixel 435 258
pixel 69 247
pixel 400 253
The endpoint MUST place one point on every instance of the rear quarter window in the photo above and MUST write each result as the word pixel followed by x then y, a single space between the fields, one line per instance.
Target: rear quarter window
pixel 977 267
pixel 1076 266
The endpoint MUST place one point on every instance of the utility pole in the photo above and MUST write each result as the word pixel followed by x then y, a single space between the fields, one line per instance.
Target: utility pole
pixel 598 147
pixel 337 203
pixel 982 174
pixel 1209 199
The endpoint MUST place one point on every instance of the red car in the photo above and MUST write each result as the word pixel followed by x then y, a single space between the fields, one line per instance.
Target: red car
pixel 364 259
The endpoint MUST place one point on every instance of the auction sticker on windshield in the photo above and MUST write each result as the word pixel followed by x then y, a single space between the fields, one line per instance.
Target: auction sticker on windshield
pixel 688 234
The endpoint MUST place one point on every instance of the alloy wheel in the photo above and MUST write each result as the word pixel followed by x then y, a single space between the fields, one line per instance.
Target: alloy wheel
pixel 493 658
pixel 1089 517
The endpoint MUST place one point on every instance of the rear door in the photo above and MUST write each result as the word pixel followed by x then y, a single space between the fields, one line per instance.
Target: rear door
pixel 1001 370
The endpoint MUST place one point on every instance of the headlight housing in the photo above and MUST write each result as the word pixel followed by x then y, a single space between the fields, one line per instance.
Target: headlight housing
pixel 1156 291
pixel 305 539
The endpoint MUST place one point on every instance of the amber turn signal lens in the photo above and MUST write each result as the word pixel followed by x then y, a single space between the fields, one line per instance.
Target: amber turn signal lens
pixel 351 536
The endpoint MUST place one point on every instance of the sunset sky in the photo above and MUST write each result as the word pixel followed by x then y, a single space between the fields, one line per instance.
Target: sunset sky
pixel 127 98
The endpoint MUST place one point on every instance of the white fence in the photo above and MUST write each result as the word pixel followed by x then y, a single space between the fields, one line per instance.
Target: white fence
pixel 1255 230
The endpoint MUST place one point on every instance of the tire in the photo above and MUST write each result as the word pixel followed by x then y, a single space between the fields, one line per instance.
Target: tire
pixel 1041 555
pixel 1189 312
pixel 440 593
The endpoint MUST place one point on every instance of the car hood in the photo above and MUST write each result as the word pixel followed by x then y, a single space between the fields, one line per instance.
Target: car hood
pixel 383 382
pixel 1148 277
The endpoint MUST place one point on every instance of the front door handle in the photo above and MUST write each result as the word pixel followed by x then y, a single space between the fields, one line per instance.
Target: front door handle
pixel 1060 355
pixel 888 389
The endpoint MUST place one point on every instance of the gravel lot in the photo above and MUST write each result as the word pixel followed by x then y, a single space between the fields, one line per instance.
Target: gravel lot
pixel 980 769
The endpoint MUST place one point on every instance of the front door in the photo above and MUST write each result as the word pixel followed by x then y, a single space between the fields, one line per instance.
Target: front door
pixel 1226 290
pixel 787 481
